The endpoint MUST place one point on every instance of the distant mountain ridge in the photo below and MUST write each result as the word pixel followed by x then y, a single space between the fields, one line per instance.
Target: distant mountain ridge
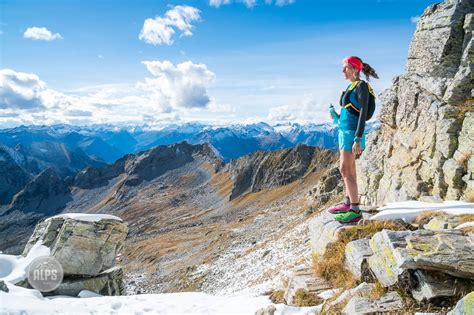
pixel 109 143
pixel 26 151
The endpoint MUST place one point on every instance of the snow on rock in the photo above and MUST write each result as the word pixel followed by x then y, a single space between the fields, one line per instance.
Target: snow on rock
pixel 409 210
pixel 13 268
pixel 87 217
pixel 464 225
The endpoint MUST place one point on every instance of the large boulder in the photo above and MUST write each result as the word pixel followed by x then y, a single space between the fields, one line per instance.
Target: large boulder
pixel 84 244
pixel 324 230
pixel 448 251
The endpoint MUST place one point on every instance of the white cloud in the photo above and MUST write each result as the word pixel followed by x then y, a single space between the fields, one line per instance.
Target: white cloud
pixel 307 110
pixel 41 33
pixel 174 90
pixel 160 30
pixel 415 19
pixel 249 3
pixel 184 85
pixel 280 3
pixel 20 90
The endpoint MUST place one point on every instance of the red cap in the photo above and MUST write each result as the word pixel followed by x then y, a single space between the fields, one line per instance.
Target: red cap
pixel 355 62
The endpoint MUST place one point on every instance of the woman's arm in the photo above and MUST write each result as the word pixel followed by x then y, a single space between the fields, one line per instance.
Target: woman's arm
pixel 363 98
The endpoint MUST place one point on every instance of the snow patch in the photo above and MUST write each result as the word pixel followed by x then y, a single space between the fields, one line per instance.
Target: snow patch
pixel 13 268
pixel 86 217
pixel 465 225
pixel 409 210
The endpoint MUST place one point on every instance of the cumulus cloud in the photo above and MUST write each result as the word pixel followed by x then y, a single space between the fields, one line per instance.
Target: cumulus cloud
pixel 250 3
pixel 178 86
pixel 160 30
pixel 172 91
pixel 41 33
pixel 20 90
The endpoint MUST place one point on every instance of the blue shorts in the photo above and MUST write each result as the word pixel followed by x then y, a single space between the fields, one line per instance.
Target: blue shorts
pixel 346 140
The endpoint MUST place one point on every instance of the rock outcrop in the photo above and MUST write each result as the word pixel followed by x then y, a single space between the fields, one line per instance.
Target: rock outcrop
pixel 12 177
pixel 47 193
pixel 262 169
pixel 448 251
pixel 426 140
pixel 147 165
pixel 86 246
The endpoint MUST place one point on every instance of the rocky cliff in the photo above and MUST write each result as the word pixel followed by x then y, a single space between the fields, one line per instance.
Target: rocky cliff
pixel 426 140
pixel 261 170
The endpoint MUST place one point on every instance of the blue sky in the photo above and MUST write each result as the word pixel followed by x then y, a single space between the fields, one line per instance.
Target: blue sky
pixel 242 62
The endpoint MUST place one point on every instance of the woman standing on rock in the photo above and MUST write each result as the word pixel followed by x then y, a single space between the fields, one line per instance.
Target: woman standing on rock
pixel 357 106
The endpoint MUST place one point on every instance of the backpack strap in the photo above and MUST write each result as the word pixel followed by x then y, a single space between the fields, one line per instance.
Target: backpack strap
pixel 351 107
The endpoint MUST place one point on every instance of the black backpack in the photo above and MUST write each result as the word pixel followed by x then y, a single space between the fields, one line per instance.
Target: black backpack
pixel 346 103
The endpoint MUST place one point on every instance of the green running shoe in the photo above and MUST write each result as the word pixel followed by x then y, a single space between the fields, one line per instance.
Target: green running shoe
pixel 349 217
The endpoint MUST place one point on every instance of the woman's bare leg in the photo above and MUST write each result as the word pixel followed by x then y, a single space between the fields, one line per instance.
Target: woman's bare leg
pixel 347 167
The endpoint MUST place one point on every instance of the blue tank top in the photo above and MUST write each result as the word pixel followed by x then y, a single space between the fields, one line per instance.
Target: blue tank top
pixel 347 120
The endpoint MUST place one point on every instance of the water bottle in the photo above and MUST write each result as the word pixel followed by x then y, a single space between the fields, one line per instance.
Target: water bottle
pixel 335 116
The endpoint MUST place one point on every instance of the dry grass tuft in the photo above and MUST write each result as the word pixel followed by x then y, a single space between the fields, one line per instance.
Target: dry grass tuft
pixel 378 291
pixel 304 298
pixel 278 297
pixel 466 218
pixel 468 229
pixel 425 216
pixel 467 106
pixel 469 196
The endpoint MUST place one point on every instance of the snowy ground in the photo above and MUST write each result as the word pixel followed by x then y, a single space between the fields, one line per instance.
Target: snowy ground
pixel 24 301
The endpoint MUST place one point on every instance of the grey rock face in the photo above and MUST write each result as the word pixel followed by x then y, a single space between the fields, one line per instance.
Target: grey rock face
pixel 425 143
pixel 432 285
pixel 465 306
pixel 108 283
pixel 46 193
pixel 390 302
pixel 147 165
pixel 356 256
pixel 330 184
pixel 81 247
pixel 3 287
pixel 12 177
pixel 447 251
pixel 262 170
